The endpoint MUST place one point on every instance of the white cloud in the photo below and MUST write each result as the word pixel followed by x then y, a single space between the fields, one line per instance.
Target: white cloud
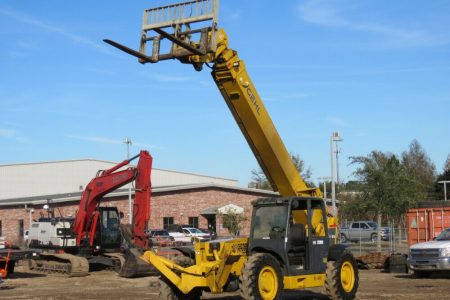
pixel 169 78
pixel 12 135
pixel 336 121
pixel 96 139
pixel 235 16
pixel 16 54
pixel 328 14
pixel 7 133
pixel 281 97
pixel 36 23
pixel 106 140
pixel 25 45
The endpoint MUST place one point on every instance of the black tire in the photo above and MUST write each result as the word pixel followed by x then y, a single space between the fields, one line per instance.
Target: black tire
pixel 374 237
pixel 167 291
pixel 342 278
pixel 343 238
pixel 261 267
pixel 184 261
pixel 422 274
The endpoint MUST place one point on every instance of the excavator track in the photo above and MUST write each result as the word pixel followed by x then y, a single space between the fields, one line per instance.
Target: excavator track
pixel 67 264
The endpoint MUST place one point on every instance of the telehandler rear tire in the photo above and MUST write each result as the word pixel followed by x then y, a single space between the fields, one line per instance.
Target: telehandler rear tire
pixel 261 278
pixel 342 278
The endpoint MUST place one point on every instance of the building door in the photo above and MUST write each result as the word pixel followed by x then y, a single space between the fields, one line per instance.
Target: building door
pixel 211 222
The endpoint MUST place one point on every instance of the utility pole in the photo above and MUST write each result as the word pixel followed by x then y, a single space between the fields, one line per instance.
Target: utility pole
pixel 335 137
pixel 128 142
pixel 337 151
pixel 445 188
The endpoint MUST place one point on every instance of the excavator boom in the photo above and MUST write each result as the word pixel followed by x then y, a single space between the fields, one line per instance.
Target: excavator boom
pixel 107 181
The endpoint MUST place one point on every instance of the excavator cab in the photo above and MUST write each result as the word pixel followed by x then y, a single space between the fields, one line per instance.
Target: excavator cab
pixel 294 230
pixel 108 235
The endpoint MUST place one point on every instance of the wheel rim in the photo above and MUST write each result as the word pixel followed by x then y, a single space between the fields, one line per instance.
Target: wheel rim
pixel 268 283
pixel 347 276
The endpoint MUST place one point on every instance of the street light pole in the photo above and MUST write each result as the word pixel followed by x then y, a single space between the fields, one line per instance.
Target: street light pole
pixel 128 142
pixel 324 186
pixel 335 137
pixel 445 188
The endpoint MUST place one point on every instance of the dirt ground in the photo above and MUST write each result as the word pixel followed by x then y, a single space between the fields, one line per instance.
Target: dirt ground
pixel 106 284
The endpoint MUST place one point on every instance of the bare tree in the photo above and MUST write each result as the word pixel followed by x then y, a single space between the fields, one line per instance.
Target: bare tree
pixel 259 179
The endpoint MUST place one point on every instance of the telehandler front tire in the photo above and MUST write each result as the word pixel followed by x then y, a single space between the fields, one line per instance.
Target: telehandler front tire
pixel 167 291
pixel 342 277
pixel 261 278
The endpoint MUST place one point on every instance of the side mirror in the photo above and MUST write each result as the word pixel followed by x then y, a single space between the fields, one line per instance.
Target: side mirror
pixel 121 215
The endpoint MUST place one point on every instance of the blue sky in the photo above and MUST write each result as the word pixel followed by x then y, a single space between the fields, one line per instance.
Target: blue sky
pixel 377 71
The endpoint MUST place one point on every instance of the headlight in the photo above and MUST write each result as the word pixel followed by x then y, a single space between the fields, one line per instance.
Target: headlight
pixel 445 252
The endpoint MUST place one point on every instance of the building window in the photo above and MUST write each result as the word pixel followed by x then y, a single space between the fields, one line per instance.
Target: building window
pixel 21 229
pixel 193 222
pixel 167 221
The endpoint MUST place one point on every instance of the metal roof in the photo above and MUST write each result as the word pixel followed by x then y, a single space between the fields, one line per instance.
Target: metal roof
pixel 68 197
pixel 70 177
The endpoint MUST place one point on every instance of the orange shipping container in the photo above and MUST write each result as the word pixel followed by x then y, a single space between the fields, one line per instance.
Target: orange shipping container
pixel 427 221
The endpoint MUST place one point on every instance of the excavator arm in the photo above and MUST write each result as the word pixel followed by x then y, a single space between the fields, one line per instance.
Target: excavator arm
pixel 85 224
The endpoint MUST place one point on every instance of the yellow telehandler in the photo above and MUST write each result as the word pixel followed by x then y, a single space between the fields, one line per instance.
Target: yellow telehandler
pixel 292 242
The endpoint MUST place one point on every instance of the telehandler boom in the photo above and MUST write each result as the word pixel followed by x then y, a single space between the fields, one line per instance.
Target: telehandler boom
pixel 289 245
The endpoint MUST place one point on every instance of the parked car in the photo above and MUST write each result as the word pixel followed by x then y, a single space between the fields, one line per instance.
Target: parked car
pixel 176 231
pixel 157 236
pixel 212 233
pixel 195 233
pixel 385 233
pixel 432 256
pixel 363 230
pixel 190 235
pixel 177 227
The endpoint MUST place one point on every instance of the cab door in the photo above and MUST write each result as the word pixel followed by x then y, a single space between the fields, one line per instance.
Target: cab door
pixel 109 229
pixel 318 233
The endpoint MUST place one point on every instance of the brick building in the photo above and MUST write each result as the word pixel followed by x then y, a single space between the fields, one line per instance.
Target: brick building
pixel 177 197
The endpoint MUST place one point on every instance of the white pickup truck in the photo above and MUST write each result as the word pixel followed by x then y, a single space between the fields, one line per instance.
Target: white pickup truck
pixel 433 256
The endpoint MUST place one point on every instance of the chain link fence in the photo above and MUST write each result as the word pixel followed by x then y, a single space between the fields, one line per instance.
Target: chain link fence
pixel 392 239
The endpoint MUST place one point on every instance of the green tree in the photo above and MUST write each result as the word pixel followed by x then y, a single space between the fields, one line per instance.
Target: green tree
pixel 386 185
pixel 259 179
pixel 421 170
pixel 233 221
pixel 353 208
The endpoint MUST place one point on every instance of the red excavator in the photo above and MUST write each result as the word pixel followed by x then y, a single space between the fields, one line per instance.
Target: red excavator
pixel 95 235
